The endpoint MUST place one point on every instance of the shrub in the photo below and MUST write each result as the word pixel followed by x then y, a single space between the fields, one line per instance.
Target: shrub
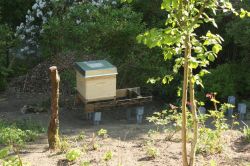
pixel 64 144
pixel 169 121
pixel 151 151
pixel 231 82
pixel 102 133
pixel 107 33
pixel 246 133
pixel 6 42
pixel 72 155
pixel 16 134
pixel 210 141
pixel 108 156
pixel 68 79
pixel 81 136
pixel 112 30
pixel 13 12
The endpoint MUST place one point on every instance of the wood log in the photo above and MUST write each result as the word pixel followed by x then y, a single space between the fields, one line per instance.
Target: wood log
pixel 53 129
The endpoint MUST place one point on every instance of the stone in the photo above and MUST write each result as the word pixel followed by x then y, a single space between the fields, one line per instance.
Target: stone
pixel 139 114
pixel 242 109
pixel 231 100
pixel 202 110
pixel 97 118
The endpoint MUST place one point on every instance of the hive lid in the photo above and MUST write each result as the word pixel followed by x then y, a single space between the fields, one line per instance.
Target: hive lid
pixel 95 68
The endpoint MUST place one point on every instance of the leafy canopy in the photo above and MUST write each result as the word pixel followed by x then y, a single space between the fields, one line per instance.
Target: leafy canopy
pixel 184 17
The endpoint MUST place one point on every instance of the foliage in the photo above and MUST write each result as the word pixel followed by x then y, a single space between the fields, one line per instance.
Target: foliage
pixel 30 30
pixel 73 154
pixel 6 42
pixel 81 136
pixel 102 133
pixel 210 140
pixel 246 132
pixel 231 82
pixel 108 27
pixel 113 31
pixel 180 41
pixel 85 163
pixel 68 79
pixel 239 33
pixel 151 150
pixel 152 16
pixel 108 156
pixel 165 119
pixel 64 144
pixel 18 133
pixel 13 12
pixel 14 136
pixel 12 161
pixel 94 144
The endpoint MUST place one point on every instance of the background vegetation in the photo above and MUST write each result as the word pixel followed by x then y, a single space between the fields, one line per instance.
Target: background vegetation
pixel 108 31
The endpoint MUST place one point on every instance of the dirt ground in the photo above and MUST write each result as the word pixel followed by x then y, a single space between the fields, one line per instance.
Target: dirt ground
pixel 127 141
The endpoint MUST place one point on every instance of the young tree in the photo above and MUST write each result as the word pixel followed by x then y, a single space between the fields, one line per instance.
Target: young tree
pixel 180 41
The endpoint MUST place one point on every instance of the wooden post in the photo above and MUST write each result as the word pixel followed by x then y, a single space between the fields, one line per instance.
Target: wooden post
pixel 53 129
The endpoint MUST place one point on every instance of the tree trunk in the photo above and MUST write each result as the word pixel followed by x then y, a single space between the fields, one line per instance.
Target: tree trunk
pixel 184 103
pixel 195 121
pixel 53 129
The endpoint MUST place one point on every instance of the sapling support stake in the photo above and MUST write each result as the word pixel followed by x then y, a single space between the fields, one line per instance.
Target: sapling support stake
pixel 184 102
pixel 195 120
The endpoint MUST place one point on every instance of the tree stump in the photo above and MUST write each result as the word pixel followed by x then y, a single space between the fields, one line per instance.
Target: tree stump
pixel 53 129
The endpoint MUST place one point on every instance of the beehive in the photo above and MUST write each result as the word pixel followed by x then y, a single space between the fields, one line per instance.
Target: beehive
pixel 96 80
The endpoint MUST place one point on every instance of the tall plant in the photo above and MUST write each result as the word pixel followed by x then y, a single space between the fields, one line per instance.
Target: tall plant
pixel 179 41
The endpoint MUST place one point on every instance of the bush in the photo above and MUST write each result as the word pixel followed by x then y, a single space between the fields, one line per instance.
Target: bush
pixel 246 133
pixel 73 155
pixel 228 79
pixel 107 33
pixel 18 133
pixel 86 28
pixel 6 42
pixel 108 156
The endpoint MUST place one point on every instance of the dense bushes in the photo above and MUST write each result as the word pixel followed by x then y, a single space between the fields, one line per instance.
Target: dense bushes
pixel 107 33
pixel 108 30
pixel 89 29
pixel 6 42
pixel 13 12
pixel 229 79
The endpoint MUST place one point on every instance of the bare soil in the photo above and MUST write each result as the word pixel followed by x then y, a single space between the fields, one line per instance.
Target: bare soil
pixel 127 141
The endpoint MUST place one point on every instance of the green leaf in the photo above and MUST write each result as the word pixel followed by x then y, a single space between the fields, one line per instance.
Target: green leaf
pixel 153 80
pixel 166 4
pixel 242 13
pixel 193 63
pixel 167 55
pixel 203 72
pixel 214 23
pixel 167 79
pixel 211 57
pixel 198 50
pixel 217 48
pixel 129 1
pixel 4 152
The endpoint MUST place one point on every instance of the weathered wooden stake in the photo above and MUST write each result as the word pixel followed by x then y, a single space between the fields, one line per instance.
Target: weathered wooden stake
pixel 53 129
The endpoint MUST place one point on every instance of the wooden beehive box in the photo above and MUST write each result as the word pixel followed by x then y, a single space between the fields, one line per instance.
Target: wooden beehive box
pixel 96 80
